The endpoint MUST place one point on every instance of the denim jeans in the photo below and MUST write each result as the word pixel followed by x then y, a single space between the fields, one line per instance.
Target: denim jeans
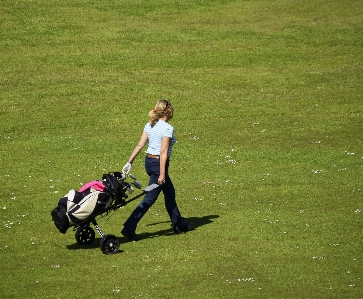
pixel 152 167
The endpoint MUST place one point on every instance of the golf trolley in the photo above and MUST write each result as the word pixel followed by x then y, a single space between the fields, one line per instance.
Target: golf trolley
pixel 113 197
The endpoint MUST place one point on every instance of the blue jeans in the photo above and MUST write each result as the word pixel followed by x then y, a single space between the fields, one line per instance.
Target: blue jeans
pixel 152 167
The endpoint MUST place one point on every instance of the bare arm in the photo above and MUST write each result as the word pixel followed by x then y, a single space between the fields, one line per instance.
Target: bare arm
pixel 165 143
pixel 138 147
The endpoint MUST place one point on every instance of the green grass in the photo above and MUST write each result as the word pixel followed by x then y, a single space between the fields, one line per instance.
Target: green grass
pixel 268 116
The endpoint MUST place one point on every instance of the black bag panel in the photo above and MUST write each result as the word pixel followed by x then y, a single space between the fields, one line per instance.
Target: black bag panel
pixel 103 197
pixel 78 196
pixel 103 202
pixel 59 215
pixel 62 203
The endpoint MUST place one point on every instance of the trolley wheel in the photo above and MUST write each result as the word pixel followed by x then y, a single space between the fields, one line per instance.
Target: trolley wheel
pixel 109 244
pixel 85 235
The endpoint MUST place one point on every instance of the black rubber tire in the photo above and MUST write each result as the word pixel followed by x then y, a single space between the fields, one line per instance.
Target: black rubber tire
pixel 85 235
pixel 109 244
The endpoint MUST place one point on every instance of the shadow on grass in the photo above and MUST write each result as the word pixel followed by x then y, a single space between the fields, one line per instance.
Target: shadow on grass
pixel 197 221
pixel 95 244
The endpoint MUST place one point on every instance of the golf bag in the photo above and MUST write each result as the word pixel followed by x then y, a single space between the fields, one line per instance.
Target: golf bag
pixel 93 198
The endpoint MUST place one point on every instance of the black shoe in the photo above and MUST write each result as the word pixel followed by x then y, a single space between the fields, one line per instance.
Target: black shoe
pixel 129 234
pixel 186 226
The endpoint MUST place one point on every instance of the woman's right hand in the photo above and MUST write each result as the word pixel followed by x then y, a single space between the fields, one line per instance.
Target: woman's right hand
pixel 161 179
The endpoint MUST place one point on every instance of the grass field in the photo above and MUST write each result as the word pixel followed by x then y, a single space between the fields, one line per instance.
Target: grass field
pixel 268 99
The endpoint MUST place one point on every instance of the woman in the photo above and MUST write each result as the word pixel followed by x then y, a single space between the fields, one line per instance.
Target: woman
pixel 159 135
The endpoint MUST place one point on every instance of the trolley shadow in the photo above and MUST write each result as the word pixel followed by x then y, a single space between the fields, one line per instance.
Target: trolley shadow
pixel 95 244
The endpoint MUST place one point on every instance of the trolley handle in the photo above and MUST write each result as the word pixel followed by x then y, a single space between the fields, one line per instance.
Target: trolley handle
pixel 146 190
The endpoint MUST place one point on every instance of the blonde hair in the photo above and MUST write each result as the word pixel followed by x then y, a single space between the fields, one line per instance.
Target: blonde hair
pixel 159 111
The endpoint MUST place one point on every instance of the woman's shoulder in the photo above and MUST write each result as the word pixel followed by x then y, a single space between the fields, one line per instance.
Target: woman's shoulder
pixel 167 126
pixel 147 126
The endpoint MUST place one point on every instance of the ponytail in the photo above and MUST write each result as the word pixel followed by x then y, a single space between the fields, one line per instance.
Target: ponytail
pixel 153 117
